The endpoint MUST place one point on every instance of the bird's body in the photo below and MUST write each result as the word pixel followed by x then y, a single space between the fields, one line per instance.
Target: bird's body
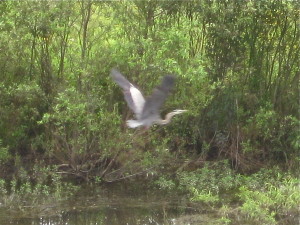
pixel 146 110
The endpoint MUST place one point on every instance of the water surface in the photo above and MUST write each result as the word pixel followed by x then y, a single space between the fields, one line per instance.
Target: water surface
pixel 116 204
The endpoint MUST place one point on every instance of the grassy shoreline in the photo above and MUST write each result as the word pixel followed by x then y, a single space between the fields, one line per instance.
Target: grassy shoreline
pixel 268 196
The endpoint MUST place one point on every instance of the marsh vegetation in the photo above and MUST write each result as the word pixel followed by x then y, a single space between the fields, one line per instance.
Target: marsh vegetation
pixel 235 153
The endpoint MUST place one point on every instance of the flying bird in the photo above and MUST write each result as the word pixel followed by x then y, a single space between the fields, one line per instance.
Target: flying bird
pixel 146 110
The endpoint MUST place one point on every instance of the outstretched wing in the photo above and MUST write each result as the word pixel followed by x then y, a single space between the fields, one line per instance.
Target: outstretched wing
pixel 132 95
pixel 156 100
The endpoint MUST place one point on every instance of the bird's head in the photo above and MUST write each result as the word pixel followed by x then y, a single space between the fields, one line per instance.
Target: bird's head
pixel 179 111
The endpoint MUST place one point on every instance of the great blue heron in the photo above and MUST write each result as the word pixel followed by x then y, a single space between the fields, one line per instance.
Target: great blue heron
pixel 146 110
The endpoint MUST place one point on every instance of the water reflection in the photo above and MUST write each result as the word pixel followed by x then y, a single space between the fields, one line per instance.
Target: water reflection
pixel 112 205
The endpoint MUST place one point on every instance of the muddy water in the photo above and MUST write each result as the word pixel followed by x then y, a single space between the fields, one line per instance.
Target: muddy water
pixel 111 205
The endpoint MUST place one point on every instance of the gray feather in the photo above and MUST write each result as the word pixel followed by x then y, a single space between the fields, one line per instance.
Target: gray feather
pixel 129 90
pixel 120 79
pixel 156 100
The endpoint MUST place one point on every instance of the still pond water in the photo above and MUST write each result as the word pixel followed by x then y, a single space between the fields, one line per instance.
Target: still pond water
pixel 111 205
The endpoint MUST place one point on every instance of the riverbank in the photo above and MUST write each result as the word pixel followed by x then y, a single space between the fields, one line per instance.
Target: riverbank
pixel 213 194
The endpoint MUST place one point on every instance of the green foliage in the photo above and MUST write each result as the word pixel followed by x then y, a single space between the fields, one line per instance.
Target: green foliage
pixel 270 202
pixel 46 187
pixel 237 73
pixel 4 154
pixel 279 135
pixel 3 188
pixel 236 67
pixel 204 196
pixel 165 183
pixel 211 179
pixel 268 196
pixel 23 105
pixel 79 126
pixel 247 147
pixel 265 121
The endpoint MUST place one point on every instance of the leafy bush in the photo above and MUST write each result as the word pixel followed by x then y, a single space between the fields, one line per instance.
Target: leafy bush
pixel 212 178
pixel 78 127
pixel 22 105
pixel 272 201
pixel 268 196
pixel 205 196
pixel 165 183
pixel 84 137
pixel 4 154
pixel 44 186
pixel 275 136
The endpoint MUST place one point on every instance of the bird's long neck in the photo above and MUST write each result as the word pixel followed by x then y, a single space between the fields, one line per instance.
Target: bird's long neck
pixel 167 118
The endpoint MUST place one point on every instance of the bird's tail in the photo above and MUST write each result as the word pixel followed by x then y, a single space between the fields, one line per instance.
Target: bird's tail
pixel 133 123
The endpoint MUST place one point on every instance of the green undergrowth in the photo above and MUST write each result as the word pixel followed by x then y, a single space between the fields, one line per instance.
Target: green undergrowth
pixel 44 187
pixel 269 196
